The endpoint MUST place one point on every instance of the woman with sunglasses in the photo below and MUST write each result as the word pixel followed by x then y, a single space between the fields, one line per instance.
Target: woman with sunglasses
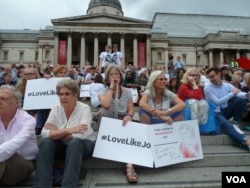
pixel 158 104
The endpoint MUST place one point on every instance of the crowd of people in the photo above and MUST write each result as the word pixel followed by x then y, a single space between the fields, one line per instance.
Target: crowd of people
pixel 66 131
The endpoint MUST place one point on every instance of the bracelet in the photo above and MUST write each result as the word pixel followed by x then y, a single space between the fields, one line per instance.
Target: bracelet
pixel 111 89
pixel 130 116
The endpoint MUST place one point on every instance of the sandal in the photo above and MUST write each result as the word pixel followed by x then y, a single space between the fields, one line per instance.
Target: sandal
pixel 131 174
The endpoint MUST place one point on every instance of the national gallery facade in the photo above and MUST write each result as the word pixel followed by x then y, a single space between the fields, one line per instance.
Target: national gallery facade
pixel 200 40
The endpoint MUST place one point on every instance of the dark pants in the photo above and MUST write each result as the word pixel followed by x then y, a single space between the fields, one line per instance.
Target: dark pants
pixel 236 108
pixel 73 152
pixel 15 170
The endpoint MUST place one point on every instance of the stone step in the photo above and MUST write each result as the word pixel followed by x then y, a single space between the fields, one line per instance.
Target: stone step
pixel 216 156
pixel 166 177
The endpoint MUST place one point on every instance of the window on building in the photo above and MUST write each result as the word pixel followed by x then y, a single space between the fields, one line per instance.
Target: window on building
pixel 184 57
pixel 21 57
pixel 36 56
pixel 47 54
pixel 159 56
pixel 5 55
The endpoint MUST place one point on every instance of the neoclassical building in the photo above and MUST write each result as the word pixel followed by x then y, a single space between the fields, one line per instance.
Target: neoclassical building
pixel 199 39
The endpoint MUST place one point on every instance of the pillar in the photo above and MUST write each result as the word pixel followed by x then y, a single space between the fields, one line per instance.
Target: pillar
pixel 135 51
pixel 122 48
pixel 82 53
pixel 109 41
pixel 148 51
pixel 40 54
pixel 211 58
pixel 96 47
pixel 56 48
pixel 69 50
pixel 221 57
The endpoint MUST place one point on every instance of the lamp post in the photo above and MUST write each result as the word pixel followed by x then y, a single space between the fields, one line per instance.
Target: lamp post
pixel 195 46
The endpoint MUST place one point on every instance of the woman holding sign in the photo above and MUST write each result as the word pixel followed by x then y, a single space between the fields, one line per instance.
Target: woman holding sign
pixel 116 102
pixel 159 105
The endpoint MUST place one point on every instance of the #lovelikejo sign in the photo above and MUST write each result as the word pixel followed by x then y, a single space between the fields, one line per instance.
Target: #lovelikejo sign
pixel 41 94
pixel 148 145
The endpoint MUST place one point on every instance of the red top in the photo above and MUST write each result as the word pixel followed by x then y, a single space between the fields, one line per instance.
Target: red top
pixel 186 92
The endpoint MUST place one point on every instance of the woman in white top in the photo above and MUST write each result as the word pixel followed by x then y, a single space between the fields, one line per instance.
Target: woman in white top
pixel 95 89
pixel 67 135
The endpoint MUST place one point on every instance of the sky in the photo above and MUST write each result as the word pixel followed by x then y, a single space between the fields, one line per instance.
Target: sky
pixel 37 14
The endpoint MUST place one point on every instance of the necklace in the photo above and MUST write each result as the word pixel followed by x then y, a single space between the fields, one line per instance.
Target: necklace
pixel 120 93
pixel 158 105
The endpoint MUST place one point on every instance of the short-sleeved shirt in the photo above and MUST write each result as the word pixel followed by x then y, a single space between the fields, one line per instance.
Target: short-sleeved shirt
pixel 123 100
pixel 116 58
pixel 106 58
pixel 167 100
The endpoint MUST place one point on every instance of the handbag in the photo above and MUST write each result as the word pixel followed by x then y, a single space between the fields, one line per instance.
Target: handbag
pixel 203 111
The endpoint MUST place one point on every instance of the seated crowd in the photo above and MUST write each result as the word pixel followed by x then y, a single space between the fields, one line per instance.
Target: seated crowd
pixel 66 128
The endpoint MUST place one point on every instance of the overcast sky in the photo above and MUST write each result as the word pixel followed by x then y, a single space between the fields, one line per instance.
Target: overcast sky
pixel 36 14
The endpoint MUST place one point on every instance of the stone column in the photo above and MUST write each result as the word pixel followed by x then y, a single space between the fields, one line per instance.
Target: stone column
pixel 148 51
pixel 248 54
pixel 122 48
pixel 166 58
pixel 135 51
pixel 109 41
pixel 96 47
pixel 221 57
pixel 238 54
pixel 69 50
pixel 56 48
pixel 82 53
pixel 211 58
pixel 40 54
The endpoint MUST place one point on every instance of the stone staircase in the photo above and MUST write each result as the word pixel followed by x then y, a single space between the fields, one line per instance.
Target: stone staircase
pixel 220 155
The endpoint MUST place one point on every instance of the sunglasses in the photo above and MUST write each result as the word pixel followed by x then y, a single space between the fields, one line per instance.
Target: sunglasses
pixel 194 75
pixel 161 79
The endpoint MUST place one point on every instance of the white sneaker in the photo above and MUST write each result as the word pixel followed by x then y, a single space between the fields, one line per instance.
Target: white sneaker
pixel 236 127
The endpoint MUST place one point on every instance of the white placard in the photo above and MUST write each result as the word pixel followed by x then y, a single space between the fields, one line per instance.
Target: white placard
pixel 127 144
pixel 167 76
pixel 176 143
pixel 41 94
pixel 84 91
pixel 135 94
pixel 142 144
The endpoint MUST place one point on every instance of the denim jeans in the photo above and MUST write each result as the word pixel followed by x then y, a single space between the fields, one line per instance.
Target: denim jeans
pixel 236 108
pixel 42 116
pixel 73 152
pixel 224 125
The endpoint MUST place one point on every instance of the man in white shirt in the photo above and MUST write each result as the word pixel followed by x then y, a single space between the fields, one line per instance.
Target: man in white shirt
pixel 117 56
pixel 105 58
pixel 18 146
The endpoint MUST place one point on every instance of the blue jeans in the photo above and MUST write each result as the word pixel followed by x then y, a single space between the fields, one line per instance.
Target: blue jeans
pixel 156 120
pixel 73 153
pixel 225 126
pixel 236 108
pixel 42 116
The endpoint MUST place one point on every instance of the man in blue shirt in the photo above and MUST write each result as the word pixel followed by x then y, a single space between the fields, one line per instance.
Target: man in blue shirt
pixel 230 101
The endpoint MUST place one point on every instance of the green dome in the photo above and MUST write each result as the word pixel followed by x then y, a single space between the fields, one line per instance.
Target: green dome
pixel 112 3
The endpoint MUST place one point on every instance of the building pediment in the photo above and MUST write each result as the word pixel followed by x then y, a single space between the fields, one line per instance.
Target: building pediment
pixel 102 19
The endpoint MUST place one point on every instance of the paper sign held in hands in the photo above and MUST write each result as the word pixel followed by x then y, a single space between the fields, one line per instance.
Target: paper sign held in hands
pixel 176 143
pixel 127 144
pixel 141 144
